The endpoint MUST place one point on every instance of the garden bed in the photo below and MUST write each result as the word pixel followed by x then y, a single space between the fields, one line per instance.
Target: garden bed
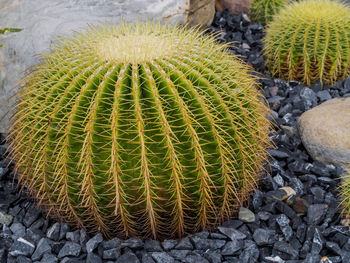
pixel 295 211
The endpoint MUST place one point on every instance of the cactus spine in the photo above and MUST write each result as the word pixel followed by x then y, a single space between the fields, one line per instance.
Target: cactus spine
pixel 145 129
pixel 309 40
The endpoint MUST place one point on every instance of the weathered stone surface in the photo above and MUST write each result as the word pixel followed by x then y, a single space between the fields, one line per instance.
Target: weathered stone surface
pixel 235 6
pixel 44 21
pixel 201 12
pixel 324 131
pixel 5 219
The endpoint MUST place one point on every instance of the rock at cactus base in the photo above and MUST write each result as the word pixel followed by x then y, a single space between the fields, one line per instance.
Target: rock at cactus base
pixel 324 131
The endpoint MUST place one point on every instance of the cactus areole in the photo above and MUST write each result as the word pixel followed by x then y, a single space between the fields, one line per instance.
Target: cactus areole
pixel 140 130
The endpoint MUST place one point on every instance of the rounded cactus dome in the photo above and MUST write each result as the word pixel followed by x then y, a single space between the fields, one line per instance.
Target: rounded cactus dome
pixel 140 130
pixel 309 40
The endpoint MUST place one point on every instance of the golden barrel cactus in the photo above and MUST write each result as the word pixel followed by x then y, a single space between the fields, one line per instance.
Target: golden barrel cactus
pixel 262 11
pixel 309 40
pixel 140 130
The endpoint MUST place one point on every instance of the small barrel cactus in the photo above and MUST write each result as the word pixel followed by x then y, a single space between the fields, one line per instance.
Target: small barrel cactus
pixel 308 41
pixel 262 11
pixel 140 130
pixel 344 193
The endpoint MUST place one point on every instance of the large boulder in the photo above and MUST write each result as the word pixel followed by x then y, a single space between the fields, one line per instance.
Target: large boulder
pixel 325 131
pixel 43 21
pixel 234 6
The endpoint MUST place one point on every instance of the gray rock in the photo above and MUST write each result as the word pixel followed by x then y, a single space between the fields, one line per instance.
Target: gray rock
pixel 263 237
pixel 232 247
pixel 169 244
pixel 334 247
pixel 153 246
pixel 112 243
pixel 217 236
pixel 317 242
pixel 246 215
pixel 232 233
pixel 195 259
pixel 309 97
pixel 54 231
pixel 315 213
pixel 31 215
pixel 290 131
pixel 297 186
pixel 274 259
pixel 147 258
pixel 286 248
pixel 128 257
pixel 283 222
pixel 70 249
pixel 18 230
pixel 83 238
pixel 42 248
pixel 5 219
pixel 60 17
pixel 179 254
pixel 318 193
pixel 49 258
pixel 213 256
pixel 134 243
pixel 22 247
pixel 162 257
pixel 250 252
pixel 63 231
pixel 311 258
pixel 323 95
pixel 184 244
pixel 23 259
pixel 112 253
pixel 34 234
pixel 93 258
pixel 94 242
pixel 73 236
pixel 204 244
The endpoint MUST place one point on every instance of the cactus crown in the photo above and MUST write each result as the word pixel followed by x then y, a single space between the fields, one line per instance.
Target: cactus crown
pixel 262 11
pixel 148 130
pixel 309 40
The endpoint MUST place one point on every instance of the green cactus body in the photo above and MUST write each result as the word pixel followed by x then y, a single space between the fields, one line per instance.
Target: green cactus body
pixel 344 192
pixel 148 130
pixel 262 11
pixel 308 41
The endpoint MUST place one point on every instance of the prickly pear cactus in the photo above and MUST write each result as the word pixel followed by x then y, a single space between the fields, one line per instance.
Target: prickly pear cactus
pixel 262 11
pixel 147 130
pixel 308 41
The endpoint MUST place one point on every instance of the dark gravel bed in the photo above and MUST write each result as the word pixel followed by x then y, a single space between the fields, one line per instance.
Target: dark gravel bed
pixel 293 216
